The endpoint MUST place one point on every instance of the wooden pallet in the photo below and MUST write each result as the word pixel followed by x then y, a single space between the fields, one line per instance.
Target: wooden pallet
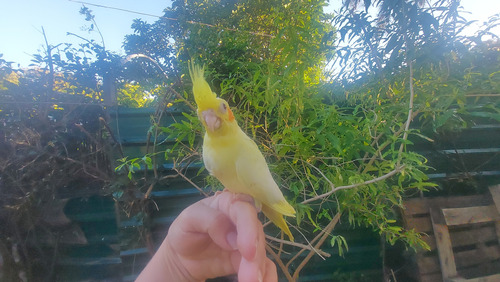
pixel 463 233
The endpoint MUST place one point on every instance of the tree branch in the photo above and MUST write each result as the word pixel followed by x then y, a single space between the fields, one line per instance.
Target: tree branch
pixel 324 234
pixel 179 96
pixel 380 178
pixel 317 237
pixel 305 247
pixel 410 114
pixel 191 182
pixel 278 260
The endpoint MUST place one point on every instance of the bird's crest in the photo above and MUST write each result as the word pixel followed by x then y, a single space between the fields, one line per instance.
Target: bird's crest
pixel 203 95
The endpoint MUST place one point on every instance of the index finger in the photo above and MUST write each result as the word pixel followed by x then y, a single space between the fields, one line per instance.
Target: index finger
pixel 244 217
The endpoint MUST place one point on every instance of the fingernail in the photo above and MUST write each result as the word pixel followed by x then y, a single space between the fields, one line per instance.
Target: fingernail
pixel 258 206
pixel 231 240
pixel 261 278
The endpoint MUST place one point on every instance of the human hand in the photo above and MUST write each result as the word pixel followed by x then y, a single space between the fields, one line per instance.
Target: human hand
pixel 217 236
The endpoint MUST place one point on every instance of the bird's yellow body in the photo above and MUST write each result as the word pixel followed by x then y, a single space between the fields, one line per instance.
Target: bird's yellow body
pixel 233 158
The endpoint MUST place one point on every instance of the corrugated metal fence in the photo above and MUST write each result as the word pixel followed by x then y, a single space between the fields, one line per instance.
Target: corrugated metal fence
pixel 470 158
pixel 362 260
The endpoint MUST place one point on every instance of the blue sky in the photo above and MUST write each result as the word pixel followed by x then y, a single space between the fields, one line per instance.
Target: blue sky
pixel 21 22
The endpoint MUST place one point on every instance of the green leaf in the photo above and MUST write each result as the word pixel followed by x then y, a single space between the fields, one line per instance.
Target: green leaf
pixel 147 160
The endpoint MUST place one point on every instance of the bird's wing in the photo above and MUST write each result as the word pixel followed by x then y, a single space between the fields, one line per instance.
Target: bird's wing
pixel 253 172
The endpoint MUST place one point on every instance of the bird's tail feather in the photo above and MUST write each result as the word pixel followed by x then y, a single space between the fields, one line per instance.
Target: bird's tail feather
pixel 284 208
pixel 277 218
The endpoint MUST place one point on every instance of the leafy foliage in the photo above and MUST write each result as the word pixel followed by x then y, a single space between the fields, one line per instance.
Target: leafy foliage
pixel 403 30
pixel 350 136
pixel 331 156
pixel 337 147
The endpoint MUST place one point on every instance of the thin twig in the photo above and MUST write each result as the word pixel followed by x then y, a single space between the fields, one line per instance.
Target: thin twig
pixel 100 175
pixel 168 176
pixel 482 95
pixel 365 157
pixel 150 189
pixel 326 232
pixel 278 260
pixel 92 138
pixel 385 144
pixel 332 186
pixel 410 115
pixel 306 247
pixel 316 238
pixel 191 182
pixel 279 248
pixel 80 37
pixel 110 132
pixel 49 59
pixel 158 116
pixel 148 138
pixel 380 178
pixel 179 96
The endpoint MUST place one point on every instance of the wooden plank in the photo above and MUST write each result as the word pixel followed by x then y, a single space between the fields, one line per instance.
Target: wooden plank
pixel 495 194
pixel 490 278
pixel 420 224
pixel 446 257
pixel 472 236
pixel 497 230
pixel 416 206
pixel 431 241
pixel 460 201
pixel 433 277
pixel 460 216
pixel 477 256
pixel 485 271
pixel 415 218
pixel 428 264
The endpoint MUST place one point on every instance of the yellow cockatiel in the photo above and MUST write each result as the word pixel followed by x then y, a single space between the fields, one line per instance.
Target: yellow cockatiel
pixel 231 156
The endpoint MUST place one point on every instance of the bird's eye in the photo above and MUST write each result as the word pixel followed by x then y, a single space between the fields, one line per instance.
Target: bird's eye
pixel 223 107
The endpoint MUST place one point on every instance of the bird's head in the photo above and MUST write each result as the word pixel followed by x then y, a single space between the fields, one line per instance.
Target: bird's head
pixel 214 113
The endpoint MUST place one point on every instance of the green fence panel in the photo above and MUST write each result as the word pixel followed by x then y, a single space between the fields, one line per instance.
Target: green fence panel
pixel 114 251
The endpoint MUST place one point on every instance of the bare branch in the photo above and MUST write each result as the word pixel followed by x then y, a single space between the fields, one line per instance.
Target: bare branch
pixel 410 113
pixel 306 247
pixel 179 96
pixel 482 95
pixel 332 186
pixel 148 192
pixel 278 260
pixel 380 178
pixel 191 182
pixel 318 236
pixel 324 234
pixel 110 132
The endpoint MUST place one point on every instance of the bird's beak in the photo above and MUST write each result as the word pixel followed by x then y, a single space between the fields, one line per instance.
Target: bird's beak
pixel 212 121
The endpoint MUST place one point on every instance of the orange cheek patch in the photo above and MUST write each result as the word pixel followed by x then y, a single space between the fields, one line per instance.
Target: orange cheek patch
pixel 230 114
